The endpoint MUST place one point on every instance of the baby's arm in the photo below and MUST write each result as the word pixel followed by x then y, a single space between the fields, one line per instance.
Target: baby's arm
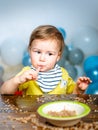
pixel 11 86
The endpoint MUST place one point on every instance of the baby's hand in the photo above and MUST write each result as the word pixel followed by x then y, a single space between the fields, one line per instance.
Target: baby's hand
pixel 83 82
pixel 28 75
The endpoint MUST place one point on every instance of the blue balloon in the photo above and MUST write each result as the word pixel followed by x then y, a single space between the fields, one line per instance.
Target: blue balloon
pixel 70 46
pixel 76 56
pixel 90 62
pixel 71 70
pixel 93 74
pixel 61 62
pixel 92 88
pixel 1 71
pixel 79 70
pixel 26 61
pixel 63 32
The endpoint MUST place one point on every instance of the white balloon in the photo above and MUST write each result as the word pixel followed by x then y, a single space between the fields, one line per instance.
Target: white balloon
pixel 12 51
pixel 86 38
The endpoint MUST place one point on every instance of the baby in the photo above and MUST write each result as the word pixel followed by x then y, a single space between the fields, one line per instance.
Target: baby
pixel 45 76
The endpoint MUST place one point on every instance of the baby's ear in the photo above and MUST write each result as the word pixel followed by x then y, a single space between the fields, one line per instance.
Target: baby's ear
pixel 59 56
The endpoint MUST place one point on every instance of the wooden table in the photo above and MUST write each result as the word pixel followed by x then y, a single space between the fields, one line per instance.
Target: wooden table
pixel 19 112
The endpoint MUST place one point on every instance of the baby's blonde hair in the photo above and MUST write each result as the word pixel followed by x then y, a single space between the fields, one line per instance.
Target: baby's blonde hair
pixel 46 32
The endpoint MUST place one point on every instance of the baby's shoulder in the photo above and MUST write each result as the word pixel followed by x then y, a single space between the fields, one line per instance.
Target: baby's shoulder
pixel 26 68
pixel 64 70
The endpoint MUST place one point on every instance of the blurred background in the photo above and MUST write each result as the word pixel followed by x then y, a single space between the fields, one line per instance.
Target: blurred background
pixel 76 19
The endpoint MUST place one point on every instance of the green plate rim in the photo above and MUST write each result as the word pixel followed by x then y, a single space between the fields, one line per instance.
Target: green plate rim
pixel 85 113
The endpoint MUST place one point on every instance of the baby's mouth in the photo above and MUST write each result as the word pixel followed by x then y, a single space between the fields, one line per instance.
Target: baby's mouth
pixel 41 67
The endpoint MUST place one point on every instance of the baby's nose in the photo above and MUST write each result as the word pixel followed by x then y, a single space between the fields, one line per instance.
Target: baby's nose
pixel 42 57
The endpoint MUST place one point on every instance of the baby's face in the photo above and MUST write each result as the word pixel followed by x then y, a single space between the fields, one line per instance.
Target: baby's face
pixel 44 54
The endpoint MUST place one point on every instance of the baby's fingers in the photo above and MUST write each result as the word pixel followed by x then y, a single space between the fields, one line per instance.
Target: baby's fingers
pixel 35 74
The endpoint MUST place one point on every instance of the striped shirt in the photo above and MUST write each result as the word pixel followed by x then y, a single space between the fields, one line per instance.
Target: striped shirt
pixel 50 79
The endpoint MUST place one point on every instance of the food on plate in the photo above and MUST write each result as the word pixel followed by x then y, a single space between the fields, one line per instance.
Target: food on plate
pixel 62 113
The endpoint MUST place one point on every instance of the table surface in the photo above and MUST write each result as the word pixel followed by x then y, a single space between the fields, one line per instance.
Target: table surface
pixel 19 112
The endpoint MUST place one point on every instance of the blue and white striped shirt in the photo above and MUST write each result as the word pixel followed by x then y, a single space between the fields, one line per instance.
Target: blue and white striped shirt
pixel 50 79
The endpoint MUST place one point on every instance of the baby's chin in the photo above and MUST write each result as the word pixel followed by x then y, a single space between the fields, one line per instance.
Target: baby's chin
pixel 44 70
